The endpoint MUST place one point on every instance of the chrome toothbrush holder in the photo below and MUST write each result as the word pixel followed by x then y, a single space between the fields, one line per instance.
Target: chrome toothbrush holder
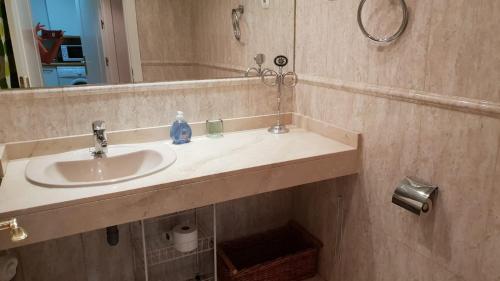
pixel 415 196
pixel 272 78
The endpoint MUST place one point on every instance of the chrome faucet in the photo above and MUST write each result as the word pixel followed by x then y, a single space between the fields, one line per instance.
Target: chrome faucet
pixel 100 139
pixel 259 60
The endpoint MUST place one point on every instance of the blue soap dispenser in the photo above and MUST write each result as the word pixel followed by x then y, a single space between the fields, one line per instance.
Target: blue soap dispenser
pixel 180 132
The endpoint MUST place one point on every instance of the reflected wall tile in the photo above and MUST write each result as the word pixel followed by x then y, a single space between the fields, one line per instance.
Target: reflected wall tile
pixel 153 73
pixel 176 30
pixel 148 23
pixel 211 20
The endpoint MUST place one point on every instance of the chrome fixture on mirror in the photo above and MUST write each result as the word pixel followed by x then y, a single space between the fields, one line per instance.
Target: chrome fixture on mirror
pixel 236 17
pixel 259 60
pixel 100 139
pixel 17 233
pixel 414 195
pixel 388 39
pixel 272 78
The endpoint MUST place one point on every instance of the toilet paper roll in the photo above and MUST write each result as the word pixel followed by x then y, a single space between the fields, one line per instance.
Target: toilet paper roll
pixel 415 196
pixel 417 207
pixel 185 237
pixel 8 267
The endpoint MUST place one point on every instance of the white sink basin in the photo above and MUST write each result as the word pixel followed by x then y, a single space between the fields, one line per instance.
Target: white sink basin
pixel 79 168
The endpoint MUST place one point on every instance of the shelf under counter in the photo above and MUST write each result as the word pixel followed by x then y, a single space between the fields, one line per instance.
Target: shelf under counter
pixel 207 171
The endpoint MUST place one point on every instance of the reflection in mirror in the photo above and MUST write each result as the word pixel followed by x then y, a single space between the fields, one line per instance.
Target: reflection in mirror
pixel 54 43
pixel 194 39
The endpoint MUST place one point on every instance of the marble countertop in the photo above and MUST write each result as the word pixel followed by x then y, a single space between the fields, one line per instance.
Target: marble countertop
pixel 201 160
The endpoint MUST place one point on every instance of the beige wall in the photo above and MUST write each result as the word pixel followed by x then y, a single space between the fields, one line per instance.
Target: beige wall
pixel 189 40
pixel 37 114
pixel 82 257
pixel 165 29
pixel 449 49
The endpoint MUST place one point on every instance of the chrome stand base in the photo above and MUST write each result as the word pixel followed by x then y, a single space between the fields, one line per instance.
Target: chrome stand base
pixel 278 129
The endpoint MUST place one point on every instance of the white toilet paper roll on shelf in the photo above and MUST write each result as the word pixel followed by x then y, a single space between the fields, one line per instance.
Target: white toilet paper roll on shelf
pixel 185 237
pixel 8 267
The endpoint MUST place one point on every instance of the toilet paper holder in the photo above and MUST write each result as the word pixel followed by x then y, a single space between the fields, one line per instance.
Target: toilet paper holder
pixel 414 195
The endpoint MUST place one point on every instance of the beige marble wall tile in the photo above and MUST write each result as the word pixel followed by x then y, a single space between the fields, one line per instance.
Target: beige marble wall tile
pixel 315 207
pixel 252 215
pixel 448 47
pixel 118 110
pixel 44 114
pixel 490 246
pixel 462 58
pixel 60 259
pixel 400 64
pixel 461 160
pixel 327 42
pixel 78 257
pixel 26 116
pixel 455 150
pixel 105 262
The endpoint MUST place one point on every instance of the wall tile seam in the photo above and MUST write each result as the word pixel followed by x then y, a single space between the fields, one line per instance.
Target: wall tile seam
pixel 462 104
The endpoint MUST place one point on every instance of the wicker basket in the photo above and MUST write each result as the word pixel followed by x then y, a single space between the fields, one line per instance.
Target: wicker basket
pixel 288 253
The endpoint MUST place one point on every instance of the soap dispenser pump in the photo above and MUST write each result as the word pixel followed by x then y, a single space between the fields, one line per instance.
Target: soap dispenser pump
pixel 180 132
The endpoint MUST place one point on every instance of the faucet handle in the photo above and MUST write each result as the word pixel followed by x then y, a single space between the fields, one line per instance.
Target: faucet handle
pixel 98 125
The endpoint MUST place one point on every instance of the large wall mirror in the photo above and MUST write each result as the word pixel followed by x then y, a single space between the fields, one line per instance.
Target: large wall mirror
pixel 56 43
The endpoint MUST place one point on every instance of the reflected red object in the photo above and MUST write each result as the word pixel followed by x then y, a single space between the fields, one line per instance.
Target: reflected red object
pixel 52 34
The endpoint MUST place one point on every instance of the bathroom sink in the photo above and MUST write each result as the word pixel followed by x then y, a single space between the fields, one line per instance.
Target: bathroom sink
pixel 80 168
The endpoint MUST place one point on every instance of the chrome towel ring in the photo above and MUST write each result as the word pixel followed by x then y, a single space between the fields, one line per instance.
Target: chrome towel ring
pixel 236 16
pixel 391 38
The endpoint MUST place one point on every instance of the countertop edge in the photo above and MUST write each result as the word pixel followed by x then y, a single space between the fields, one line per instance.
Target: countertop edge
pixel 132 207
